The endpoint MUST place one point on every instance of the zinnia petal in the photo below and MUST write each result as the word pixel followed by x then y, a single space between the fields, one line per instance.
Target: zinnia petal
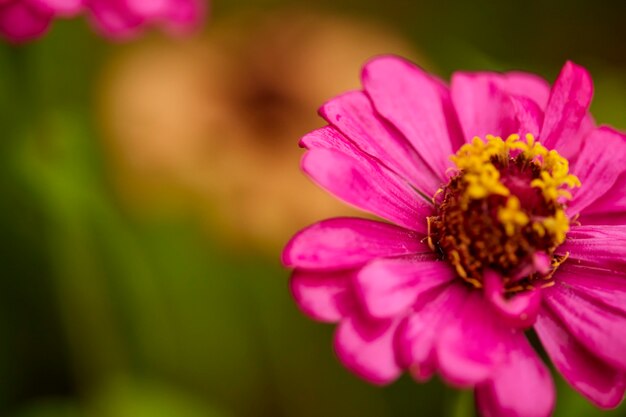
pixel 523 84
pixel 147 8
pixel 352 113
pixel 596 380
pixel 606 219
pixel 601 245
pixel 418 334
pixel 470 348
pixel 366 184
pixel 482 105
pixel 600 329
pixel 184 16
pixel 567 109
pixel 21 22
pixel 598 167
pixel 612 202
pixel 367 349
pixel 124 19
pixel 522 387
pixel 113 21
pixel 415 104
pixel 519 311
pixel 328 137
pixel 324 296
pixel 498 104
pixel 528 115
pixel 59 7
pixel 343 243
pixel 605 287
pixel 390 286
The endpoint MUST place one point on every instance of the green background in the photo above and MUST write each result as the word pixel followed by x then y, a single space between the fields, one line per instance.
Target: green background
pixel 107 313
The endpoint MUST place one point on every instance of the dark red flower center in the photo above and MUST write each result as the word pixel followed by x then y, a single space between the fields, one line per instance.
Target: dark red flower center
pixel 503 210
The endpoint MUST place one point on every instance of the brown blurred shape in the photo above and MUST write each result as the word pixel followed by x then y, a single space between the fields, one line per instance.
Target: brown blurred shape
pixel 211 125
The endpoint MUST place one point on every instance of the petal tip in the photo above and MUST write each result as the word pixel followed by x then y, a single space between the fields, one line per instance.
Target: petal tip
pixel 369 356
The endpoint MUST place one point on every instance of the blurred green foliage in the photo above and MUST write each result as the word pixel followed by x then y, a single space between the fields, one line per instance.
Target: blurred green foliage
pixel 108 315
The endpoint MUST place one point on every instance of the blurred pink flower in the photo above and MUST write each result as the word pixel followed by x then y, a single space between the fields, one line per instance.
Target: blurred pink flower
pixel 122 19
pixel 509 242
pixel 24 20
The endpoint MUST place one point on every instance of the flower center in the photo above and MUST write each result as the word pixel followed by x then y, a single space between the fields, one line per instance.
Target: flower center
pixel 503 210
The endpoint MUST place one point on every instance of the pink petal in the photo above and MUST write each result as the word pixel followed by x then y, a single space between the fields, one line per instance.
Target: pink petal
pixel 388 287
pixel 417 335
pixel 598 167
pixel 470 348
pixel 415 104
pixel 324 296
pixel 366 184
pixel 114 21
pixel 605 287
pixel 147 8
pixel 522 387
pixel 366 348
pixel 519 311
pixel 600 383
pixel 610 209
pixel 20 22
pixel 342 243
pixel 528 115
pixel 185 16
pixel 483 107
pixel 567 109
pixel 523 84
pixel 498 104
pixel 59 7
pixel 613 201
pixel 329 137
pixel 609 218
pixel 124 19
pixel 353 114
pixel 600 329
pixel 601 245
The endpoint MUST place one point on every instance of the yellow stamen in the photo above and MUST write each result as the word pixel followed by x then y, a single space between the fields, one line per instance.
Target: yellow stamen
pixel 555 174
pixel 557 225
pixel 431 245
pixel 476 161
pixel 511 216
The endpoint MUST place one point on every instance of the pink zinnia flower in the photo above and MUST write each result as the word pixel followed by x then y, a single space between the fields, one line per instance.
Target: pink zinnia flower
pixel 122 19
pixel 506 214
pixel 24 20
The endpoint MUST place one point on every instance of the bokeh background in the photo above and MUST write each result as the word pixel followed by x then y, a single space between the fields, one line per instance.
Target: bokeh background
pixel 146 190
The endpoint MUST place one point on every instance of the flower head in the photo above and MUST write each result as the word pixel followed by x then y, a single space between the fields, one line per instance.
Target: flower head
pixel 505 213
pixel 24 20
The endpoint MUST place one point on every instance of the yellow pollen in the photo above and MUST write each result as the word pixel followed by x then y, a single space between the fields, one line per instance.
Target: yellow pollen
pixel 511 216
pixel 480 174
pixel 557 226
pixel 555 175
pixel 531 148
pixel 477 163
